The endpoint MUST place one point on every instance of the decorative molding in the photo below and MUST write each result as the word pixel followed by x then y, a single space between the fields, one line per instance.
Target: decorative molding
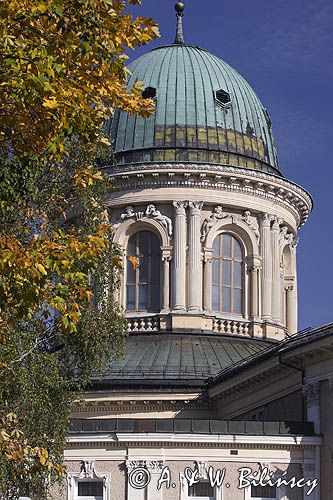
pixel 155 466
pixel 276 189
pixel 217 215
pixel 134 464
pixel 150 212
pixel 88 471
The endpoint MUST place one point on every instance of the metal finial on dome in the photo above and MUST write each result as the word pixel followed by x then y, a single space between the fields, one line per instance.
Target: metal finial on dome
pixel 179 7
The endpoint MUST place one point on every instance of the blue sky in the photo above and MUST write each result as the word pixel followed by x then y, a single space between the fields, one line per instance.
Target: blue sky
pixel 285 51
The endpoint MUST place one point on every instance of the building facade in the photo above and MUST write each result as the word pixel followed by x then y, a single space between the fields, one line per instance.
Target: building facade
pixel 215 394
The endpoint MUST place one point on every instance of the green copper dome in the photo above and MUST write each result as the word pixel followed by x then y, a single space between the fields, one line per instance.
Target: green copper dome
pixel 205 112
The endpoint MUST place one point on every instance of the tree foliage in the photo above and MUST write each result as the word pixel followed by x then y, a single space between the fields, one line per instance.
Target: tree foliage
pixel 63 69
pixel 62 72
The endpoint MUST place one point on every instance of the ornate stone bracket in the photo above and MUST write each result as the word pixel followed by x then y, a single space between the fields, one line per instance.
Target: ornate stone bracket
pixel 209 222
pixel 150 212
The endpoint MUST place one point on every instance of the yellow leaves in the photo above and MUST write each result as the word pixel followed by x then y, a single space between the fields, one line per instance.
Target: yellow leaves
pixel 24 458
pixel 61 69
pixel 134 261
pixel 45 275
pixel 87 176
pixel 41 268
pixel 50 103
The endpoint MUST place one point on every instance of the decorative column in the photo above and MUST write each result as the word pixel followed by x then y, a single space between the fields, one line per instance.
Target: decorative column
pixel 291 308
pixel 179 259
pixel 276 301
pixel 208 276
pixel 132 466
pixel 254 265
pixel 154 468
pixel 195 266
pixel 309 474
pixel 266 281
pixel 311 393
pixel 165 296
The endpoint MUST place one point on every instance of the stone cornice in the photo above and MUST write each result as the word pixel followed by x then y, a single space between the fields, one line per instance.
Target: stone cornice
pixel 205 176
pixel 195 441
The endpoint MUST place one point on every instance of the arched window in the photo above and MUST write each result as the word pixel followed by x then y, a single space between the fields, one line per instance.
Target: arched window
pixel 143 272
pixel 227 275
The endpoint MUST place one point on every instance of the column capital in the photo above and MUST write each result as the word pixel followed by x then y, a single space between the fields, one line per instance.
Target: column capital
pixel 276 223
pixel 266 219
pixel 155 465
pixel 311 393
pixel 180 207
pixel 196 207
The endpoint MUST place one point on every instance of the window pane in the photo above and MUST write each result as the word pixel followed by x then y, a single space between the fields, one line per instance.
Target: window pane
pixel 131 297
pixel 201 489
pixel 155 298
pixel 90 489
pixel 131 247
pixel 155 270
pixel 130 273
pixel 226 272
pixel 237 300
pixel 226 245
pixel 237 250
pixel 155 245
pixel 216 246
pixel 143 270
pixel 216 271
pixel 143 242
pixel 263 491
pixel 238 274
pixel 216 298
pixel 226 299
pixel 143 297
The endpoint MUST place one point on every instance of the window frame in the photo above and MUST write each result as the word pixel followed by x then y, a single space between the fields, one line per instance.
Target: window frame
pixel 149 283
pixel 232 259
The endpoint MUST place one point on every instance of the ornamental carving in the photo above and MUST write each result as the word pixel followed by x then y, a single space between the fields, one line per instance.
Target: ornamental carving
pixel 252 222
pixel 201 467
pixel 311 392
pixel 150 212
pixel 209 222
pixel 134 464
pixel 286 238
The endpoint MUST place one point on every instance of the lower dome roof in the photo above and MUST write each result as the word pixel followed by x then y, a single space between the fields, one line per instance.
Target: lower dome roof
pixel 186 360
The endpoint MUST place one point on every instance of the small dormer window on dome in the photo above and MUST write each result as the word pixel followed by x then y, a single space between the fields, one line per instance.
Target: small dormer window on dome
pixel 149 93
pixel 223 98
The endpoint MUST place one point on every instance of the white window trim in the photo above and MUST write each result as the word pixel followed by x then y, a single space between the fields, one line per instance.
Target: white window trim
pixel 280 494
pixel 88 472
pixel 202 468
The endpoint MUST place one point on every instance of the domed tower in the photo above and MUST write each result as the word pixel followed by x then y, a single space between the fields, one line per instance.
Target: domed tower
pixel 201 205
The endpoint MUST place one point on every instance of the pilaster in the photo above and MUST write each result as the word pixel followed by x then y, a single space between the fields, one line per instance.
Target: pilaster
pixel 266 281
pixel 179 260
pixel 195 266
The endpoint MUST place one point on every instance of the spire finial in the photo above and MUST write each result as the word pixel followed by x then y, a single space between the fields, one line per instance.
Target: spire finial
pixel 179 7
